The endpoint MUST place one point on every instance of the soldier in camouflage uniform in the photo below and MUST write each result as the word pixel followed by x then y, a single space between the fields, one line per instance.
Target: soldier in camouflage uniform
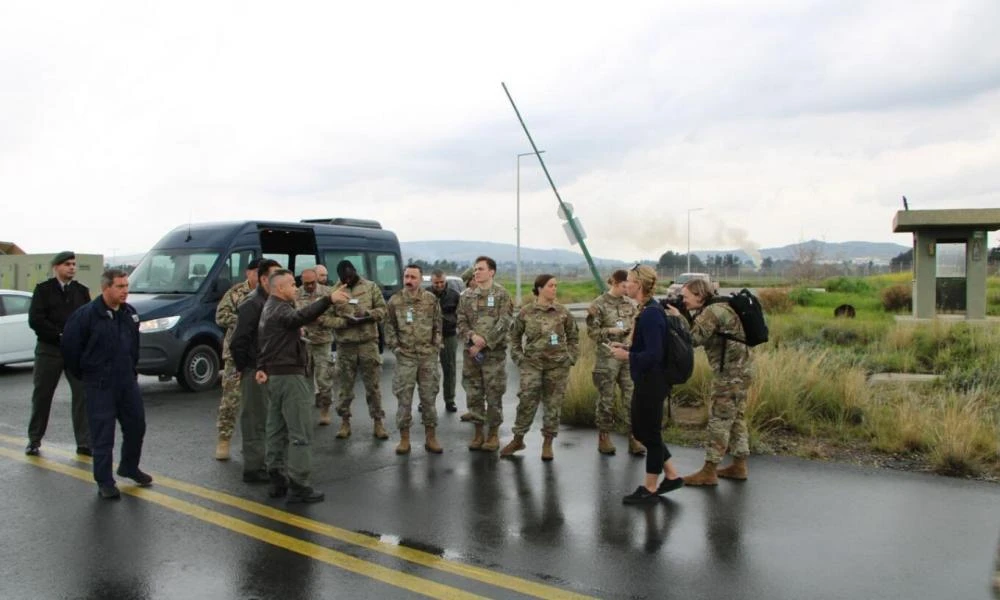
pixel 730 360
pixel 544 344
pixel 225 317
pixel 470 284
pixel 413 334
pixel 319 336
pixel 355 327
pixel 484 318
pixel 996 575
pixel 609 319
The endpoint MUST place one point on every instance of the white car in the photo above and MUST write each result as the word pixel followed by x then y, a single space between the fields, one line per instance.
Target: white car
pixel 17 340
pixel 675 286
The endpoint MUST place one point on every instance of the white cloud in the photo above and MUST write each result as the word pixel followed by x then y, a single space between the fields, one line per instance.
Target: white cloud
pixel 784 121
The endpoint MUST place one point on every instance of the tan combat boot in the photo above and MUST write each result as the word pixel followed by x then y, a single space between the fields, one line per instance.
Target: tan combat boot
pixel 430 441
pixel 345 428
pixel 404 441
pixel 706 476
pixel 379 430
pixel 515 444
pixel 634 447
pixel 477 438
pixel 492 443
pixel 222 449
pixel 737 470
pixel 604 445
pixel 466 417
pixel 547 448
pixel 324 416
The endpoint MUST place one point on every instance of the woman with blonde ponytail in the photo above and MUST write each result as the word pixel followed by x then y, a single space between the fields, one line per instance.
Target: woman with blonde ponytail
pixel 646 366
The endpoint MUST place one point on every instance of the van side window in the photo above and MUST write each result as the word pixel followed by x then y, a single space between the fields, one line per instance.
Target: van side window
pixel 331 259
pixel 386 269
pixel 281 258
pixel 303 262
pixel 236 266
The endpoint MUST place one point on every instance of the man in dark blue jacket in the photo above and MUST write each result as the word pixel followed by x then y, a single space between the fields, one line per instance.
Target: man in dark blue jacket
pixel 100 345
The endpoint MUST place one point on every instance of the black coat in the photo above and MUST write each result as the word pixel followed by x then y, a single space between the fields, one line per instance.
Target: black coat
pixel 51 306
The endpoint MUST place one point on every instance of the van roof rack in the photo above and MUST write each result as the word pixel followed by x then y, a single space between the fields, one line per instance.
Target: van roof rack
pixel 367 223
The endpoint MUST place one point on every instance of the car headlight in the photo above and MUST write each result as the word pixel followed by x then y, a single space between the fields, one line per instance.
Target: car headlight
pixel 154 325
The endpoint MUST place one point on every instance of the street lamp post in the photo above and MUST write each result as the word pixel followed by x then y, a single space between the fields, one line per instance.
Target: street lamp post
pixel 517 278
pixel 690 210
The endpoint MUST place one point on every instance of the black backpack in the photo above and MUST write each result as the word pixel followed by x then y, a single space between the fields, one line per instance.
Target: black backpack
pixel 747 307
pixel 678 353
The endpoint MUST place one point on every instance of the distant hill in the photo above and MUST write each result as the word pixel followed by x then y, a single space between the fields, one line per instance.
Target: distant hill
pixel 463 252
pixel 877 252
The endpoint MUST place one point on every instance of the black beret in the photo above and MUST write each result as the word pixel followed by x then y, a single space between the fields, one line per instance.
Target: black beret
pixel 62 257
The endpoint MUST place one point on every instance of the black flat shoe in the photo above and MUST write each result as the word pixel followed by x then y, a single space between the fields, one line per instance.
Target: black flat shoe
pixel 32 449
pixel 669 485
pixel 109 492
pixel 641 496
pixel 84 451
pixel 141 479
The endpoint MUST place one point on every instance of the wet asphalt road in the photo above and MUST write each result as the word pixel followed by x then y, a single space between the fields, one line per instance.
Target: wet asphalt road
pixel 469 523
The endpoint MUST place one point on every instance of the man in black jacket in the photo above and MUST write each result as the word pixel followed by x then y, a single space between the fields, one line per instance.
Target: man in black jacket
pixel 281 366
pixel 448 299
pixel 53 302
pixel 243 346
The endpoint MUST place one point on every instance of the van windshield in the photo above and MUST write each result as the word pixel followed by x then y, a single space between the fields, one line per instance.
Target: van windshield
pixel 172 271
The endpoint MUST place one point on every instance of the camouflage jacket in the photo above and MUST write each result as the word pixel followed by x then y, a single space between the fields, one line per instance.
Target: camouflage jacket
pixel 712 320
pixel 225 313
pixel 610 319
pixel 366 299
pixel 413 325
pixel 319 331
pixel 486 312
pixel 544 336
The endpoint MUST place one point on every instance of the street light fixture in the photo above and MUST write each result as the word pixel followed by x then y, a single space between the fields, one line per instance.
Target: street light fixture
pixel 517 278
pixel 690 210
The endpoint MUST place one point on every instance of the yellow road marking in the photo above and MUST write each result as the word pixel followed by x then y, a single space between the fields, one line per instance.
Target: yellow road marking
pixel 516 584
pixel 315 551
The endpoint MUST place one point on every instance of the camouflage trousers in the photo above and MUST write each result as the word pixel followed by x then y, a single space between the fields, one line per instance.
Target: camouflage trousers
pixel 352 358
pixel 485 384
pixel 229 407
pixel 545 386
pixel 727 422
pixel 321 374
pixel 606 376
pixel 422 373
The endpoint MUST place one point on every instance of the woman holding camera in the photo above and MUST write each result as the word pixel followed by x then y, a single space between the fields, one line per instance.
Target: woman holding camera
pixel 544 344
pixel 645 358
pixel 609 319
pixel 716 327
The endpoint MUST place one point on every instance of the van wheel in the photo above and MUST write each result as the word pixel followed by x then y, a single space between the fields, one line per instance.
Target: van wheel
pixel 200 369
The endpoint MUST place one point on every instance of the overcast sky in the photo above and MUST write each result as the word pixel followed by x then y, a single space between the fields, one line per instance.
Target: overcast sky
pixel 782 121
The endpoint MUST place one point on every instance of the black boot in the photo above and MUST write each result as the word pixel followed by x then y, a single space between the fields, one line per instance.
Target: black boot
pixel 304 494
pixel 279 484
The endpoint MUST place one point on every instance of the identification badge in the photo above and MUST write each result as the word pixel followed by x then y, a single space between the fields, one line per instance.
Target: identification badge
pixel 409 315
pixel 490 302
pixel 620 324
pixel 352 301
pixel 554 339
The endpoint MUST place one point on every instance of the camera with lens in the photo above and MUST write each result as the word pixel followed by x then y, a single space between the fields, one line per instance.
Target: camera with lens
pixel 678 303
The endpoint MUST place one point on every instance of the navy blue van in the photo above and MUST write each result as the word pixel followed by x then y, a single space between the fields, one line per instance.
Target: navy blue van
pixel 177 285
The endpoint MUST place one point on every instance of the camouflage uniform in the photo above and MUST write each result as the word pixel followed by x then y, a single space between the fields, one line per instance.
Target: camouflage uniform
pixel 727 425
pixel 319 336
pixel 487 312
pixel 225 316
pixel 357 346
pixel 413 333
pixel 610 319
pixel 544 344
pixel 996 575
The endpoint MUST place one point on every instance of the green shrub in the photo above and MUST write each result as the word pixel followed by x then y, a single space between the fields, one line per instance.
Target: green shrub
pixel 897 298
pixel 847 285
pixel 802 296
